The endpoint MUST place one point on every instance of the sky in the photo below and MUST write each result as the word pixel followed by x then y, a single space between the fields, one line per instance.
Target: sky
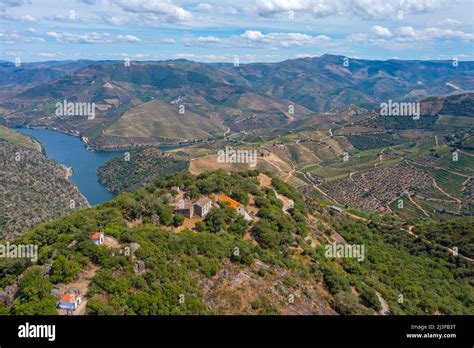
pixel 247 30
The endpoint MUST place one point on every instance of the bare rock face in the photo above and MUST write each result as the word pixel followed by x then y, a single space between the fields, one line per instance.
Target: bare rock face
pixel 260 289
pixel 7 295
pixel 139 267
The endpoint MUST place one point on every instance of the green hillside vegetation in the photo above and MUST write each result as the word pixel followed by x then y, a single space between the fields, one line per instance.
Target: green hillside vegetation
pixel 142 167
pixel 19 139
pixel 428 278
pixel 458 105
pixel 33 187
pixel 453 232
pixel 136 107
pixel 185 273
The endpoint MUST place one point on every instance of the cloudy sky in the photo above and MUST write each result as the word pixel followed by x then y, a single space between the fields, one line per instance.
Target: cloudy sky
pixel 219 30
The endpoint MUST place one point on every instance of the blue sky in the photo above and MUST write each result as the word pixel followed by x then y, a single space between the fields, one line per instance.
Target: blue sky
pixel 217 31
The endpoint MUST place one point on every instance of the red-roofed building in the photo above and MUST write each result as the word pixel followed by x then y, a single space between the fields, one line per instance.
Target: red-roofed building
pixel 236 205
pixel 223 198
pixel 69 301
pixel 97 237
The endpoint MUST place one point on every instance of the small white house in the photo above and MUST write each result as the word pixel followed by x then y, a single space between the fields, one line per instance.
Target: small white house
pixel 97 238
pixel 69 302
pixel 202 206
pixel 241 211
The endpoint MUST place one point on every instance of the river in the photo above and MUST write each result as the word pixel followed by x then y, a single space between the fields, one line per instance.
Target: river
pixel 71 152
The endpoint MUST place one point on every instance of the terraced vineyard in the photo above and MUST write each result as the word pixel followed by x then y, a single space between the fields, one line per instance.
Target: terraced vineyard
pixel 409 210
pixel 464 164
pixel 437 208
pixel 449 182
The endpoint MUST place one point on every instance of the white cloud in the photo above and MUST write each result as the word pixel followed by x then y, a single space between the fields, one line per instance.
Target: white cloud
pixel 213 9
pixel 204 41
pixel 407 31
pixel 128 38
pixel 168 41
pixel 13 36
pixel 358 37
pixel 381 31
pixel 445 34
pixel 205 7
pixel 27 18
pixel 253 37
pixel 421 6
pixel 91 37
pixel 361 8
pixel 164 8
pixel 374 8
pixel 274 6
pixel 51 55
pixel 305 55
pixel 211 39
pixel 432 33
pixel 23 18
pixel 449 22
pixel 405 37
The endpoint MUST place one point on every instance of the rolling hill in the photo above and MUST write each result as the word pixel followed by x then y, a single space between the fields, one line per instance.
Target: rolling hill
pixel 217 97
pixel 33 188
pixel 453 105
pixel 275 264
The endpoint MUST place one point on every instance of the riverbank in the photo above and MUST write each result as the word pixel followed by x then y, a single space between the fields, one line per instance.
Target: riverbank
pixel 138 143
pixel 79 163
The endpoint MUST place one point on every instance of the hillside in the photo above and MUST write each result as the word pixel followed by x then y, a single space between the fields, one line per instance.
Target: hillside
pixel 142 167
pixel 453 105
pixel 37 73
pixel 19 139
pixel 154 261
pixel 162 120
pixel 139 105
pixel 33 188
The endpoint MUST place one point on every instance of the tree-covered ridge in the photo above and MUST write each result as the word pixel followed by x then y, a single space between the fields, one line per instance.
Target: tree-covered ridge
pixel 138 168
pixel 453 233
pixel 19 139
pixel 275 263
pixel 33 188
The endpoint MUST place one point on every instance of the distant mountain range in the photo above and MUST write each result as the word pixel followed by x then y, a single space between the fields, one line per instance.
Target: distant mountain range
pixel 37 73
pixel 180 100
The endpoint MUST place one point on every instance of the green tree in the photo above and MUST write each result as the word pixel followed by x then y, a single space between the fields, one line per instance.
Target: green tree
pixel 266 234
pixel 166 215
pixel 35 296
pixel 178 220
pixel 64 269
pixel 239 226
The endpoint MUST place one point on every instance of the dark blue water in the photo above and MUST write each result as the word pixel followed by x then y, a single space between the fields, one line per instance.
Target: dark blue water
pixel 70 151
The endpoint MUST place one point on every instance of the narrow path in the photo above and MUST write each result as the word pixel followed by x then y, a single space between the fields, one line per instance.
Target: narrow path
pixel 85 278
pixel 444 192
pixel 417 205
pixel 385 308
